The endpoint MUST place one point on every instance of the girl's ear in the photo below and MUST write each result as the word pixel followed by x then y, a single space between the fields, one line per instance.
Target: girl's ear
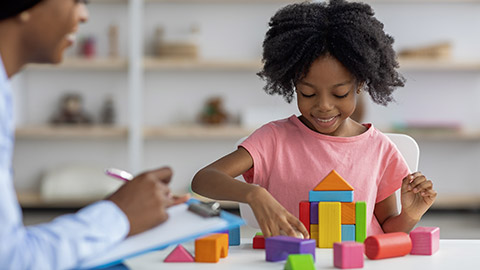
pixel 24 16
pixel 361 87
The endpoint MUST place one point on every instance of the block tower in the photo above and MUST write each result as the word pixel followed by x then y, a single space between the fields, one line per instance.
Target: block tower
pixel 331 215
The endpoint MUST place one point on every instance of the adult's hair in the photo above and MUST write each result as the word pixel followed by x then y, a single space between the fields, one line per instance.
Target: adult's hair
pixel 301 33
pixel 10 8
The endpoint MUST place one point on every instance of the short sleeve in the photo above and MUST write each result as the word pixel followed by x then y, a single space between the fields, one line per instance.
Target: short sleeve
pixel 261 147
pixel 395 170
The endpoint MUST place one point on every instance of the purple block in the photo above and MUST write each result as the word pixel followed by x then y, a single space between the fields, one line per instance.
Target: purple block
pixel 313 212
pixel 277 248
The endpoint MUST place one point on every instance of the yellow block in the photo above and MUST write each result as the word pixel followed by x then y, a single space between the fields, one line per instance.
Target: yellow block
pixel 329 224
pixel 314 232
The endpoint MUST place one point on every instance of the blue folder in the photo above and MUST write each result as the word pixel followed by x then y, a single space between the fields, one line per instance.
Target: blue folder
pixel 181 226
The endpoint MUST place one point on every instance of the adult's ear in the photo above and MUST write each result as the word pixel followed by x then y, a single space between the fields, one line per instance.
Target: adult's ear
pixel 24 16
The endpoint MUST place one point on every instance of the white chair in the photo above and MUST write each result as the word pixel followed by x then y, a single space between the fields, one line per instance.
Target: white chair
pixel 407 146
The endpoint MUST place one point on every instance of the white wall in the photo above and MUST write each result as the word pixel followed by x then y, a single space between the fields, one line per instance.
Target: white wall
pixel 236 31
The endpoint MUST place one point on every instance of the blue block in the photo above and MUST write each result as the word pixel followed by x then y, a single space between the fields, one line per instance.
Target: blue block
pixel 330 196
pixel 234 237
pixel 348 232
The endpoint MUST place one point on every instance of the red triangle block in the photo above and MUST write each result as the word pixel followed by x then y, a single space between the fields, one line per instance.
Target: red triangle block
pixel 179 254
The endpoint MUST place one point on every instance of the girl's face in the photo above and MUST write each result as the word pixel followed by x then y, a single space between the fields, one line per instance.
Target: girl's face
pixel 51 29
pixel 326 98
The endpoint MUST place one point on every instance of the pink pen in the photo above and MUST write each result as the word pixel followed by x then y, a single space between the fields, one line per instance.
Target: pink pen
pixel 119 174
pixel 123 175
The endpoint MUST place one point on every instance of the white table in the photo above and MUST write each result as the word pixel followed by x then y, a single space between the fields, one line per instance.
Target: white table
pixel 453 254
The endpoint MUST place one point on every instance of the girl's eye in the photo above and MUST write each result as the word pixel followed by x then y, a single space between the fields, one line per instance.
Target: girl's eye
pixel 343 96
pixel 308 96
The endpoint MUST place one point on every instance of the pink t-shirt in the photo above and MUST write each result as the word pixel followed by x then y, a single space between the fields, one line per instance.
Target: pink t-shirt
pixel 289 160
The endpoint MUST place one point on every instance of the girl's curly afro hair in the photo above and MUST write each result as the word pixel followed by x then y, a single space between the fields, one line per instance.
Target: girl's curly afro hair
pixel 301 33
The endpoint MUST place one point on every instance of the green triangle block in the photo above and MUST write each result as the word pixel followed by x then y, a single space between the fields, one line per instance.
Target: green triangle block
pixel 299 262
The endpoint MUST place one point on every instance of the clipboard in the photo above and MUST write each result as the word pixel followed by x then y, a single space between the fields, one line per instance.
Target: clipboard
pixel 181 226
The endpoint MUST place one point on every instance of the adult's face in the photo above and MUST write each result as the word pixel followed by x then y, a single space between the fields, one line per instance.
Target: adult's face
pixel 51 28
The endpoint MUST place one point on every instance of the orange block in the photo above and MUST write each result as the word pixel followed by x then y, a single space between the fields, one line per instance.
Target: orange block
pixel 348 212
pixel 211 248
pixel 333 181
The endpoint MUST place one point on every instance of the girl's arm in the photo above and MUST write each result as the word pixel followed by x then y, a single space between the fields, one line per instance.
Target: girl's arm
pixel 417 195
pixel 217 181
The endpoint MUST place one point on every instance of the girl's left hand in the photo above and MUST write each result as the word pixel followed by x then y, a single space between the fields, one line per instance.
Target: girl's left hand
pixel 417 195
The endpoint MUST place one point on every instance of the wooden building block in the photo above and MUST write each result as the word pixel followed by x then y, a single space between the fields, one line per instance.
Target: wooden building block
pixel 348 232
pixel 258 241
pixel 333 181
pixel 360 221
pixel 299 262
pixel 387 245
pixel 234 236
pixel 425 240
pixel 211 248
pixel 348 255
pixel 313 212
pixel 304 214
pixel 314 233
pixel 330 196
pixel 277 248
pixel 329 224
pixel 179 254
pixel 348 213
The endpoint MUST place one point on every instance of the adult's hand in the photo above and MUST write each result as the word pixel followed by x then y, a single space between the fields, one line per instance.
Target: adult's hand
pixel 145 199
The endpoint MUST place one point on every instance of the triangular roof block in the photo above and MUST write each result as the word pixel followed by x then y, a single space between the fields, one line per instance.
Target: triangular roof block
pixel 333 181
pixel 179 254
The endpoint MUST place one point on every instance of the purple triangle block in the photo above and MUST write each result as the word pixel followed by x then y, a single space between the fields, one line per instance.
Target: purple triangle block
pixel 179 254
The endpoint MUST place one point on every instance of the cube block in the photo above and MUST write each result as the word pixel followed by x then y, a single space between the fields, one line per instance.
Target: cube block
pixel 348 255
pixel 425 240
pixel 277 248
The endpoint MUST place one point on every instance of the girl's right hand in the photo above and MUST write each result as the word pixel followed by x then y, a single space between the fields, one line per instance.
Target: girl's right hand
pixel 272 217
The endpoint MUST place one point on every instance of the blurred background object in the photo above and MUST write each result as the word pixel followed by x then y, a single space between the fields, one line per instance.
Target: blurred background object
pixel 436 51
pixel 70 111
pixel 161 97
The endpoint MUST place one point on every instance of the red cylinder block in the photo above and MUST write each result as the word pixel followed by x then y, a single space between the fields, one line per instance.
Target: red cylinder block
pixel 387 245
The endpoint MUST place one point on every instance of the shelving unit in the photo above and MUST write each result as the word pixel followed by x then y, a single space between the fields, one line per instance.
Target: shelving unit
pixel 196 132
pixel 71 132
pixel 134 133
pixel 95 64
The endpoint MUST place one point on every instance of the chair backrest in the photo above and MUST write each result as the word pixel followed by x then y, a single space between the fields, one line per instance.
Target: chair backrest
pixel 405 144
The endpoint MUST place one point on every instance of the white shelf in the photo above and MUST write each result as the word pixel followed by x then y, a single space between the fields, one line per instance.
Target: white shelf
pixel 34 200
pixel 163 64
pixel 73 132
pixel 97 64
pixel 457 201
pixel 439 65
pixel 178 64
pixel 196 132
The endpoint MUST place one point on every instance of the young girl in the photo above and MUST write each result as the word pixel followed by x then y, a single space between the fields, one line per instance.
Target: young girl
pixel 325 54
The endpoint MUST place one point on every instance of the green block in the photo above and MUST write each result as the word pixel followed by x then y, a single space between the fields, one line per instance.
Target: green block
pixel 299 262
pixel 360 221
pixel 258 233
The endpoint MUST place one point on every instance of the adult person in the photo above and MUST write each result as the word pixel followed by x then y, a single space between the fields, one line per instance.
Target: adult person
pixel 38 31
